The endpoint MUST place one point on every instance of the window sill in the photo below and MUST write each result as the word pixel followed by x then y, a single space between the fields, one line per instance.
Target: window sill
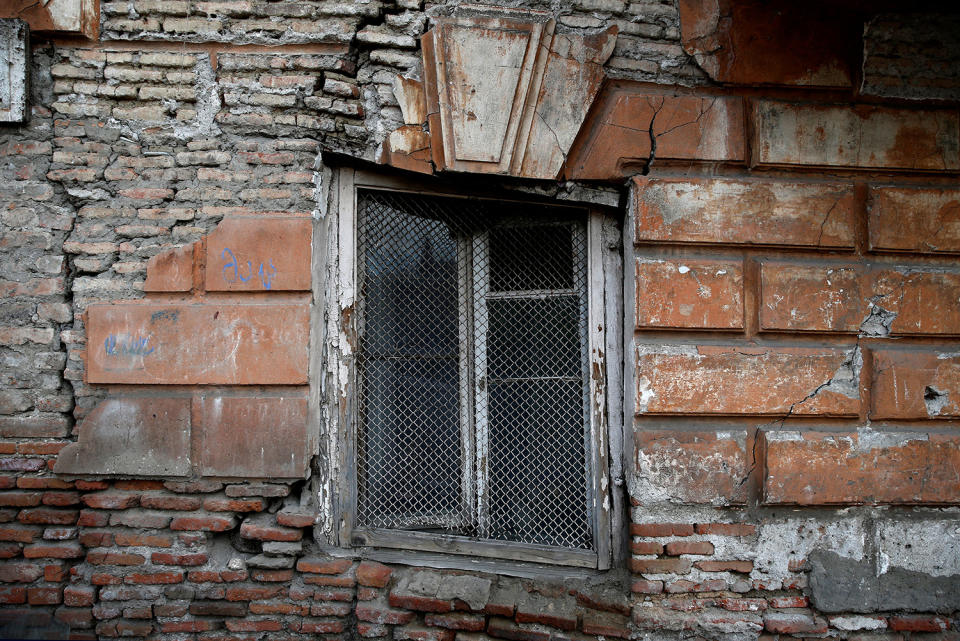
pixel 407 542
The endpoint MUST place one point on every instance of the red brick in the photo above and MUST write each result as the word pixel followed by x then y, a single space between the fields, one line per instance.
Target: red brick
pixel 660 566
pixel 744 605
pixel 333 595
pixel 811 298
pixel 90 518
pixel 41 448
pixel 689 294
pixel 371 630
pixel 861 136
pixel 911 219
pixel 20 499
pixel 324 566
pixel 330 609
pixel 19 572
pixel 89 486
pixel 320 627
pixel 154 578
pixel 255 436
pixel 257 254
pixel 690 467
pixel 661 529
pixel 95 539
pixel 646 547
pixel 61 499
pixel 419 633
pixel 44 596
pixel 250 530
pixel 902 380
pixel 505 629
pixel 13 595
pixel 683 586
pixel 139 612
pixel 725 566
pixel 76 618
pixel 686 127
pixel 801 622
pixel 554 619
pixel 187 626
pixel 220 608
pixel 367 594
pixel 756 212
pixel 373 614
pixel 99 557
pixel 373 574
pixel 346 581
pixel 253 594
pixel 820 468
pixel 183 503
pixel 789 602
pixel 924 302
pixel 18 533
pixel 726 529
pixel 170 271
pixel 139 519
pixel 204 523
pixel 295 519
pixel 743 380
pixel 101 578
pixel 271 576
pixel 419 603
pixel 182 352
pixel 130 539
pixel 146 193
pixel 164 558
pixel 676 548
pixel 48 516
pixel 248 625
pixel 606 625
pixel 22 464
pixel 234 505
pixel 53 551
pixel 464 622
pixel 918 623
pixel 43 483
pixel 9 550
pixel 55 572
pixel 78 595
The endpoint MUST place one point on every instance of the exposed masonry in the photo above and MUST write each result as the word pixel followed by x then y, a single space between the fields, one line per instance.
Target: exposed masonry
pixel 187 113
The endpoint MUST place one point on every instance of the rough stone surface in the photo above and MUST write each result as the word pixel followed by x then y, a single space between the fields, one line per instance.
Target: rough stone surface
pixel 15 36
pixel 147 436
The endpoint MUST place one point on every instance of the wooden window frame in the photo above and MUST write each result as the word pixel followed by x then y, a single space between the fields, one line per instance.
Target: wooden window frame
pixel 604 303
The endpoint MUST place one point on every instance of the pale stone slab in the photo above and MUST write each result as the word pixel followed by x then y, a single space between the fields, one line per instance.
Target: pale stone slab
pixel 15 48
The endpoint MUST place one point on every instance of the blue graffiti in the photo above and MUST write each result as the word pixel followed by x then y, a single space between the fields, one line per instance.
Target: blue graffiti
pixel 266 275
pixel 127 345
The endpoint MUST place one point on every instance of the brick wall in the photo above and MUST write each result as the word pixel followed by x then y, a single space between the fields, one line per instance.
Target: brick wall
pixel 790 462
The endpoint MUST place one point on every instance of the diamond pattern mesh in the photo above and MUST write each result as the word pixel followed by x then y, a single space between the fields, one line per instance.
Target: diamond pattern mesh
pixel 472 369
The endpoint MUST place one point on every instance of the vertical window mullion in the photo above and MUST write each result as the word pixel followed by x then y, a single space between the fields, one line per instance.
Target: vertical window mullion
pixel 467 377
pixel 481 285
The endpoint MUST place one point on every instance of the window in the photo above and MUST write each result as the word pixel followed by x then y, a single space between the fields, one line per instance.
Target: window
pixel 477 421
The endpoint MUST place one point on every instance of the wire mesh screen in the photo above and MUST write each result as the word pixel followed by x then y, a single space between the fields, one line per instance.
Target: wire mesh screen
pixel 472 369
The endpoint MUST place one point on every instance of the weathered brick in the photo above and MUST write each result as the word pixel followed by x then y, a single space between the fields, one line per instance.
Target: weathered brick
pixel 373 574
pixel 726 529
pixel 142 343
pixel 683 586
pixel 53 551
pixel 692 467
pixel 689 294
pixel 374 614
pixel 48 516
pixel 747 380
pixel 676 548
pixel 863 136
pixel 915 385
pixel 802 622
pixel 189 559
pixel 14 572
pixel 105 557
pixel 918 623
pixel 420 633
pixel 458 621
pixel 44 596
pixel 205 523
pixel 105 501
pixel 154 578
pixel 921 220
pixel 265 532
pixel 817 468
pixel 323 566
pixel 660 566
pixel 725 566
pixel 686 127
pixel 661 529
pixel 719 210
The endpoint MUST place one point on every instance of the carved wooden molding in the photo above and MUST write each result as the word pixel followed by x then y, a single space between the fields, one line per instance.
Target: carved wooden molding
pixel 503 93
